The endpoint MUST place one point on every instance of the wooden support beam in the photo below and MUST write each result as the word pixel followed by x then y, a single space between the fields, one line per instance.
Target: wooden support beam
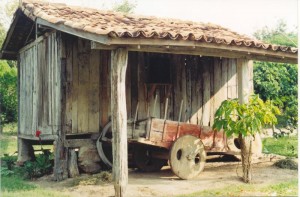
pixel 119 59
pixel 25 151
pixel 61 152
pixel 244 86
pixel 74 31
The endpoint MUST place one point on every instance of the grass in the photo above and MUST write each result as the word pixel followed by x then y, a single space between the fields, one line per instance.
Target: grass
pixel 285 146
pixel 15 183
pixel 289 188
pixel 10 129
pixel 8 139
pixel 37 192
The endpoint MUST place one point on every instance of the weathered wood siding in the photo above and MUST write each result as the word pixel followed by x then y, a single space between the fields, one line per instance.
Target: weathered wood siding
pixel 40 87
pixel 202 83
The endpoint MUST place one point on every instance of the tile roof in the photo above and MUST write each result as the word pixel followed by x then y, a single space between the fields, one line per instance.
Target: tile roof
pixel 121 25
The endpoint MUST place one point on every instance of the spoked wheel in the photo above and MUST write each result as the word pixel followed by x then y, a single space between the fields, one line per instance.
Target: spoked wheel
pixel 145 160
pixel 104 146
pixel 187 157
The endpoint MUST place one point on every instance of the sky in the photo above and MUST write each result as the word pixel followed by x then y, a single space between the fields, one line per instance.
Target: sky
pixel 243 16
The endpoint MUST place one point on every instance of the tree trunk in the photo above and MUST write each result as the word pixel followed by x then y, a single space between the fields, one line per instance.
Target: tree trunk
pixel 246 153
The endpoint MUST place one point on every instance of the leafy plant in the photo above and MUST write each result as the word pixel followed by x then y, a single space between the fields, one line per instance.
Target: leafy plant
pixel 6 172
pixel 247 118
pixel 31 169
pixel 41 166
pixel 9 161
pixel 43 162
pixel 244 120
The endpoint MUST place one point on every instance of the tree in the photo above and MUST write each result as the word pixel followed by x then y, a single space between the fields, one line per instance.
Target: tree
pixel 125 6
pixel 8 71
pixel 278 82
pixel 245 120
pixel 8 92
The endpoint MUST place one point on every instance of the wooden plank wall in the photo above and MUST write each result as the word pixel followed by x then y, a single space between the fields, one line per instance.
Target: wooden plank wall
pixel 202 83
pixel 40 87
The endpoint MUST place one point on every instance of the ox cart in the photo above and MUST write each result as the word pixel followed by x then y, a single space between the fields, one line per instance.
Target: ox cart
pixel 152 142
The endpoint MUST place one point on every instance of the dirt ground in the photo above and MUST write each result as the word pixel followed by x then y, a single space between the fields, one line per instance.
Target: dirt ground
pixel 217 174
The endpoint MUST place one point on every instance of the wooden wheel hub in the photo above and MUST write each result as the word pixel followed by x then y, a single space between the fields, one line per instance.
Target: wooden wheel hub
pixel 187 157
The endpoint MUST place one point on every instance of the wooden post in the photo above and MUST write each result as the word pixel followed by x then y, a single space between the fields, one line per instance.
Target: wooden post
pixel 119 59
pixel 60 151
pixel 244 86
pixel 244 91
pixel 25 151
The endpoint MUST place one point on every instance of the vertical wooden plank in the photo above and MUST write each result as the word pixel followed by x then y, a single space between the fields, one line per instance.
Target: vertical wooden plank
pixel 206 92
pixel 50 79
pixel 94 116
pixel 142 113
pixel 183 91
pixel 21 101
pixel 104 87
pixel 178 66
pixel 189 70
pixel 83 86
pixel 217 88
pixel 60 62
pixel 40 85
pixel 232 79
pixel 119 120
pixel 196 88
pixel 21 92
pixel 75 87
pixel 69 83
pixel 34 89
pixel 199 86
pixel 128 84
pixel 30 91
pixel 224 82
pixel 134 81
pixel 170 91
pixel 46 85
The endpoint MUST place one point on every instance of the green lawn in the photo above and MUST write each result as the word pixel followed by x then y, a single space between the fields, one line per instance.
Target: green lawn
pixel 286 146
pixel 289 188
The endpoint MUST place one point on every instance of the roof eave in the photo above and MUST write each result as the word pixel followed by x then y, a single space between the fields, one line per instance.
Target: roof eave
pixel 198 48
pixel 3 52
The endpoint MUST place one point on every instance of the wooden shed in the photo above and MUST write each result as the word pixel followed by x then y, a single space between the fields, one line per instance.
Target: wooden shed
pixel 78 67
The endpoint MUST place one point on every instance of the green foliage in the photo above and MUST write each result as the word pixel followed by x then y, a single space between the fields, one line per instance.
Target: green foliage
pixel 14 183
pixel 8 92
pixel 246 119
pixel 41 166
pixel 278 82
pixel 278 35
pixel 125 6
pixel 9 161
pixel 285 146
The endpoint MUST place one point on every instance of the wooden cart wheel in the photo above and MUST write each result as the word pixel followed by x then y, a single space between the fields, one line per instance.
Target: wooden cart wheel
pixel 104 146
pixel 144 160
pixel 187 157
